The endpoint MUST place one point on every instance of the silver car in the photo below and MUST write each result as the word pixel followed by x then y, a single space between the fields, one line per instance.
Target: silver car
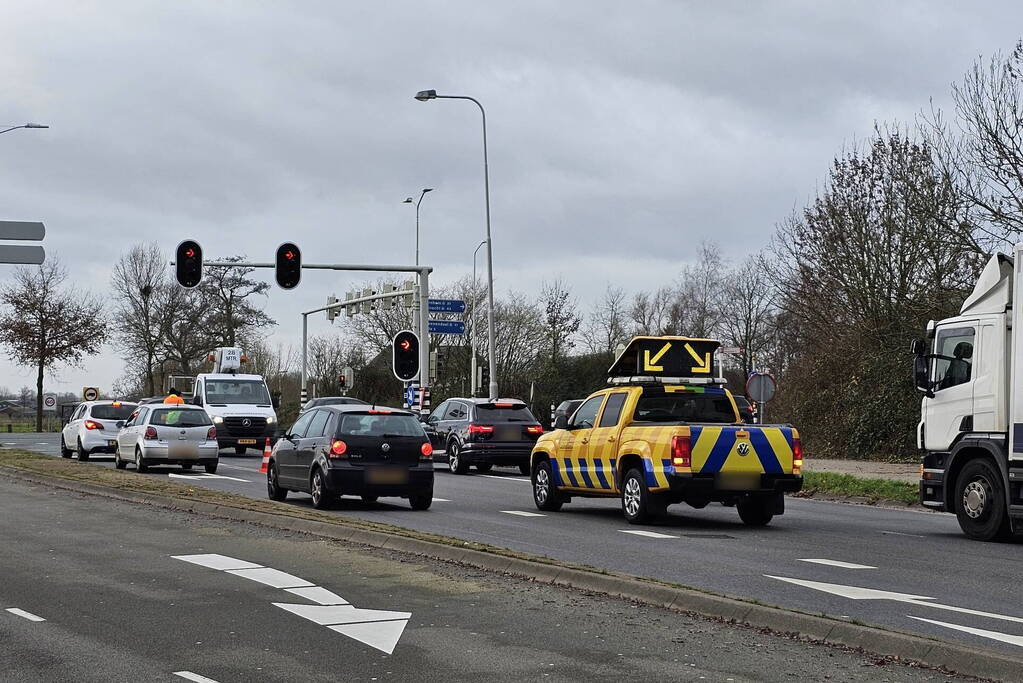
pixel 92 428
pixel 167 434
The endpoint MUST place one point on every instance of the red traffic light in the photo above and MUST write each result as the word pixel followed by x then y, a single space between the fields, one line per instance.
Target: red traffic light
pixel 405 350
pixel 189 253
pixel 405 344
pixel 288 265
pixel 188 264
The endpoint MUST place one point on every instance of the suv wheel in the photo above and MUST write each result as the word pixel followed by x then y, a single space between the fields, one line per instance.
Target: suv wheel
pixel 545 496
pixel 455 462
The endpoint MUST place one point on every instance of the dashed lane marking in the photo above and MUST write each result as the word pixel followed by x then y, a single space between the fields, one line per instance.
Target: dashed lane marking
pixel 494 476
pixel 189 676
pixel 172 475
pixel 647 534
pixel 899 533
pixel 522 513
pixel 837 563
pixel 25 615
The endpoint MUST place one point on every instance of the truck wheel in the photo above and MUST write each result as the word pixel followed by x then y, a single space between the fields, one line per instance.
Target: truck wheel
pixel 755 510
pixel 980 502
pixel 545 496
pixel 639 505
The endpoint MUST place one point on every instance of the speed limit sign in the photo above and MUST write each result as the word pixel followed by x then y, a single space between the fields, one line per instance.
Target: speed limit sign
pixel 90 394
pixel 49 402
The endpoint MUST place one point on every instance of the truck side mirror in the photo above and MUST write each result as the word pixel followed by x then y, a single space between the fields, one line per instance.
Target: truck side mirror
pixel 561 422
pixel 916 347
pixel 275 401
pixel 921 375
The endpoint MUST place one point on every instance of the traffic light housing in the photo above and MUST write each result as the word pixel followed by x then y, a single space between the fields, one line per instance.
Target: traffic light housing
pixel 484 376
pixel 288 265
pixel 406 355
pixel 188 264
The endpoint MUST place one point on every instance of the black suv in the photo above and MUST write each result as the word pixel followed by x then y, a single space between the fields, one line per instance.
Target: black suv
pixel 356 450
pixel 484 433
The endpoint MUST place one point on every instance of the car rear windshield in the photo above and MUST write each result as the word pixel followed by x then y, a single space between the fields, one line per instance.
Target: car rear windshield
pixel 180 418
pixel 503 412
pixel 702 408
pixel 112 412
pixel 366 424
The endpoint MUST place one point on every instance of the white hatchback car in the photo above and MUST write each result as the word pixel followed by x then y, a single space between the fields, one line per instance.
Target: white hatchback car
pixel 168 434
pixel 93 428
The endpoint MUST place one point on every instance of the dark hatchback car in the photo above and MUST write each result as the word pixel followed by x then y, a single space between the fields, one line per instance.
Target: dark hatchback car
pixel 353 450
pixel 332 401
pixel 745 409
pixel 565 409
pixel 484 433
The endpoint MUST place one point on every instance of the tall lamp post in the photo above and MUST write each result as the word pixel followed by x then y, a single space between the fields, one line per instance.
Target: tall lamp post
pixel 475 304
pixel 24 125
pixel 423 96
pixel 417 203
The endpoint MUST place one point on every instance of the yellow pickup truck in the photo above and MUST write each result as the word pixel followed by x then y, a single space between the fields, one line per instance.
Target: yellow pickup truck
pixel 653 443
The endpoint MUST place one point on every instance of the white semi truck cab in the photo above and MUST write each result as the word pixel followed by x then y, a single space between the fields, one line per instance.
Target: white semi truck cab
pixel 970 372
pixel 239 404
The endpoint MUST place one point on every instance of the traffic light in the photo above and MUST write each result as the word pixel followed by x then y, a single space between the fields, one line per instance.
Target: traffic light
pixel 188 263
pixel 484 376
pixel 288 266
pixel 332 312
pixel 406 356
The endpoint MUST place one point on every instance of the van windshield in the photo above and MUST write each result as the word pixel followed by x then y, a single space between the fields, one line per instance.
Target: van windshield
pixel 247 391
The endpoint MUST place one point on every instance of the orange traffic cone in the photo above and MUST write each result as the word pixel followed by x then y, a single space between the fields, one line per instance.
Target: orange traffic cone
pixel 266 457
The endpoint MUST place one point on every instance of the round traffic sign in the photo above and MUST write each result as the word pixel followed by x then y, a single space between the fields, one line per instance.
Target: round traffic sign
pixel 761 387
pixel 49 401
pixel 90 393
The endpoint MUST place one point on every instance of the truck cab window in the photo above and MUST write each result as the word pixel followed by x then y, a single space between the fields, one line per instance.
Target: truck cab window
pixel 953 362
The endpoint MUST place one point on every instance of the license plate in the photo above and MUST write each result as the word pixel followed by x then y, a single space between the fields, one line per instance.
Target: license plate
pixel 246 442
pixel 387 475
pixel 738 482
pixel 111 443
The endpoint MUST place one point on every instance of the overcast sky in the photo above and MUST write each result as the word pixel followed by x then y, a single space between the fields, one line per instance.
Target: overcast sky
pixel 621 134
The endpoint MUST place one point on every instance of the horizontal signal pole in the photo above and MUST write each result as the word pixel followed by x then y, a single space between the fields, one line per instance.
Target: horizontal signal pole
pixel 321 266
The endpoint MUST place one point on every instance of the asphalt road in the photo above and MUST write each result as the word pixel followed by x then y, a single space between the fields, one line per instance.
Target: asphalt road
pixel 958 583
pixel 99 590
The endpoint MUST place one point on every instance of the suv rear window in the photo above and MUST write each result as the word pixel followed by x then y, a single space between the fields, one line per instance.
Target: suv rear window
pixel 366 424
pixel 110 412
pixel 180 418
pixel 503 412
pixel 683 407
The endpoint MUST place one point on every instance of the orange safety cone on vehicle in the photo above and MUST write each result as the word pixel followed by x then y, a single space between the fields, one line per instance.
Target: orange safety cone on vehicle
pixel 266 457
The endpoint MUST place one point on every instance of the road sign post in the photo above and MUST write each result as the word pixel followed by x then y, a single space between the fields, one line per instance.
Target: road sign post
pixel 50 402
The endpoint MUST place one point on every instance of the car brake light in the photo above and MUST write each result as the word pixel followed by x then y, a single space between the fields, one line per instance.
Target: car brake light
pixel 92 424
pixel 680 452
pixel 212 434
pixel 427 450
pixel 481 429
pixel 150 434
pixel 797 455
pixel 536 429
pixel 338 449
pixel 379 412
pixel 503 405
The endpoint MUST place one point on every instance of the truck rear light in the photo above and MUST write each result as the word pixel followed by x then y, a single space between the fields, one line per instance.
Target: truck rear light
pixel 212 434
pixel 797 455
pixel 338 449
pixel 150 434
pixel 681 456
pixel 92 424
pixel 535 429
pixel 427 450
pixel 481 429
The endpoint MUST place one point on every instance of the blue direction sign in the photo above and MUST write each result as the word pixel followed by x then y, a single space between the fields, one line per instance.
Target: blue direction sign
pixel 447 306
pixel 447 327
pixel 410 395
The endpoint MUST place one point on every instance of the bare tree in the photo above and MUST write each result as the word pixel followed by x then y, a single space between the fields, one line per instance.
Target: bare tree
pixel 139 287
pixel 231 314
pixel 748 312
pixel 562 321
pixel 44 324
pixel 606 326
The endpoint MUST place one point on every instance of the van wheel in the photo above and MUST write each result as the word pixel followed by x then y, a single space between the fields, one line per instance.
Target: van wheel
pixel 140 463
pixel 65 452
pixel 755 510
pixel 273 486
pixel 545 496
pixel 422 501
pixel 980 502
pixel 455 462
pixel 639 505
pixel 322 498
pixel 83 454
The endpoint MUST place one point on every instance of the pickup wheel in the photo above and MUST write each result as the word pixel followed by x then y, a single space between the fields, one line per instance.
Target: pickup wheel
pixel 980 502
pixel 639 505
pixel 756 510
pixel 545 496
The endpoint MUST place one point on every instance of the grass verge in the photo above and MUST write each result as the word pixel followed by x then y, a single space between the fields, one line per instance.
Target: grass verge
pixel 847 485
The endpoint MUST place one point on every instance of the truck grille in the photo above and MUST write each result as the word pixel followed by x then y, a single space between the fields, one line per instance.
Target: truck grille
pixel 235 426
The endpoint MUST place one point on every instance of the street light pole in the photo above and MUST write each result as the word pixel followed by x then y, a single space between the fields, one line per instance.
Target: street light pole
pixel 472 317
pixel 417 203
pixel 24 125
pixel 423 96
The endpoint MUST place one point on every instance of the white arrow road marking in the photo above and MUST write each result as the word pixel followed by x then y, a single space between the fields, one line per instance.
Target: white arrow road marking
pixel 857 593
pixel 522 513
pixel 206 476
pixel 837 563
pixel 24 614
pixel 382 635
pixel 317 594
pixel 189 676
pixel 983 633
pixel 648 534
pixel 214 561
pixel 271 577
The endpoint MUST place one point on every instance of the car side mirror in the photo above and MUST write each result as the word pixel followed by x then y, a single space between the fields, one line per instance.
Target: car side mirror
pixel 561 422
pixel 120 423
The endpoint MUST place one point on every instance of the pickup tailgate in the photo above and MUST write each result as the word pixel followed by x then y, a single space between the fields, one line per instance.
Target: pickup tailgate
pixel 741 449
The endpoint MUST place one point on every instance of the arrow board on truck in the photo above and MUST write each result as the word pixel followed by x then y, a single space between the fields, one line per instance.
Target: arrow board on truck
pixel 682 357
